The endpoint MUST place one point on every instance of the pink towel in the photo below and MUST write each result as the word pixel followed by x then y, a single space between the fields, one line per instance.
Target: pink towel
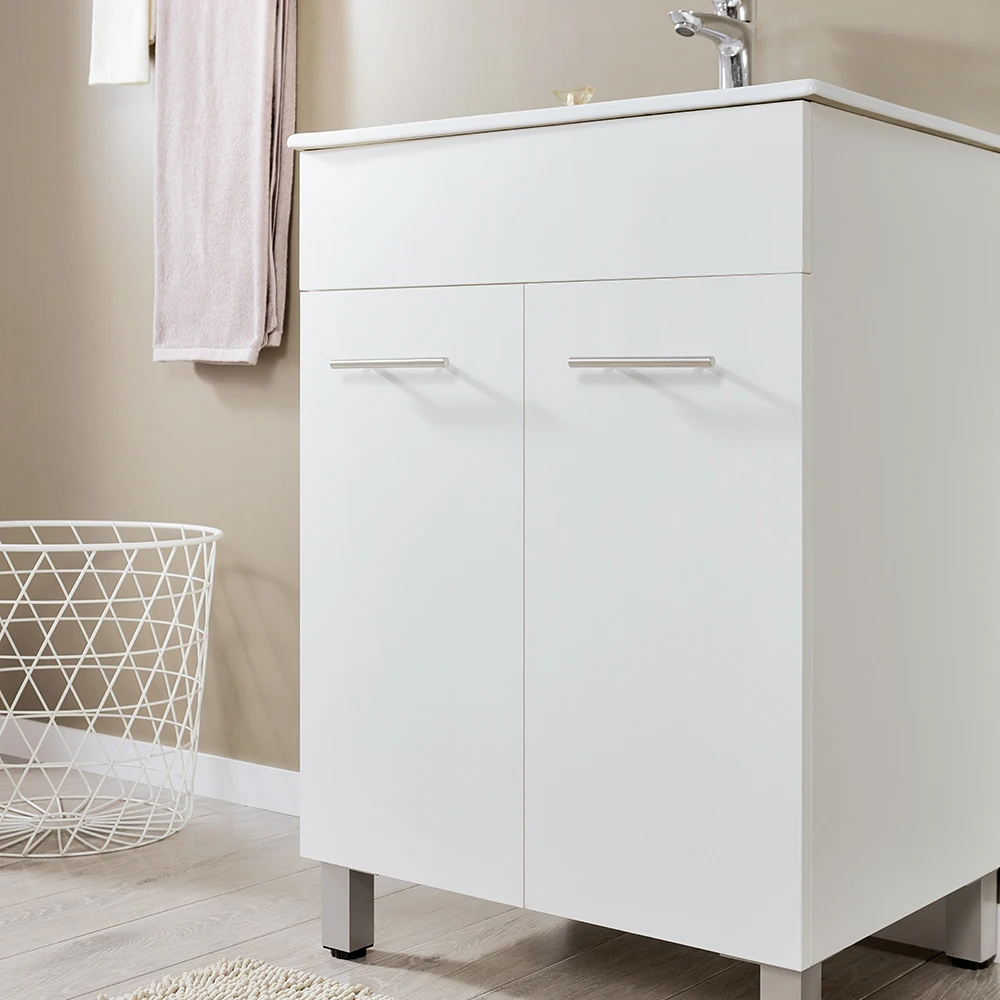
pixel 225 106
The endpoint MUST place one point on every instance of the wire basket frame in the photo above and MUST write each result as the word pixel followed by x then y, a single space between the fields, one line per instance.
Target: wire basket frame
pixel 103 641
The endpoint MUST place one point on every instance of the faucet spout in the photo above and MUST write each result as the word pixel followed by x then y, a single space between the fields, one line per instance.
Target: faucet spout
pixel 687 24
pixel 733 37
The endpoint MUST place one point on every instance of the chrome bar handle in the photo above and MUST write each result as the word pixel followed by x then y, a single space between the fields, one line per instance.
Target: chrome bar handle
pixel 705 362
pixel 390 363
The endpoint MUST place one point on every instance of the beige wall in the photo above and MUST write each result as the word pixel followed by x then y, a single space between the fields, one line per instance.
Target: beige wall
pixel 89 427
pixel 368 61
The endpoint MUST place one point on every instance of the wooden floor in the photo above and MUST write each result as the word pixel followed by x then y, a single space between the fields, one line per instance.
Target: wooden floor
pixel 233 884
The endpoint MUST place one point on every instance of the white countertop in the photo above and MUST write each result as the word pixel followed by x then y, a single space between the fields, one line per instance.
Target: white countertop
pixel 768 93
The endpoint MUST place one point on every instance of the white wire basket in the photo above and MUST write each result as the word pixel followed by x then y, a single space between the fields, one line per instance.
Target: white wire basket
pixel 103 639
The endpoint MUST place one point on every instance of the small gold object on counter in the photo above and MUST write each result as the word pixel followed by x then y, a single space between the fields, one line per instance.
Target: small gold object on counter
pixel 581 95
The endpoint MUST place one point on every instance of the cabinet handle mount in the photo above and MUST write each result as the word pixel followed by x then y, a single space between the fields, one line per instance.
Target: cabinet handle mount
pixel 390 363
pixel 705 362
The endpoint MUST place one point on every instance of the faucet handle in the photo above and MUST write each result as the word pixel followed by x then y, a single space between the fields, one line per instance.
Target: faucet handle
pixel 739 10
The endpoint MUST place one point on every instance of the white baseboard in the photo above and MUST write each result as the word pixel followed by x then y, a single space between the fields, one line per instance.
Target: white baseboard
pixel 247 784
pixel 236 781
pixel 925 928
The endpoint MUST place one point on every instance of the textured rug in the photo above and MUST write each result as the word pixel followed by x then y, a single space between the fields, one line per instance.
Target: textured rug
pixel 245 979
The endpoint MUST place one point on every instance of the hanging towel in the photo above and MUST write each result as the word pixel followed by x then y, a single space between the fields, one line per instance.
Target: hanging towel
pixel 225 106
pixel 119 41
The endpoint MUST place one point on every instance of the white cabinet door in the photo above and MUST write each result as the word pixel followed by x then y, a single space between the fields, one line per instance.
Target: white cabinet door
pixel 412 576
pixel 663 653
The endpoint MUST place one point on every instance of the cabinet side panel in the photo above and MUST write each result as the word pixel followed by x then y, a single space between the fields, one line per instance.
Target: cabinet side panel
pixel 903 522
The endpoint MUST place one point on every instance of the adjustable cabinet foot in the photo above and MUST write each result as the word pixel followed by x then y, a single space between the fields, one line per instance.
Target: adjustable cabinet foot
pixel 964 963
pixel 348 911
pixel 348 956
pixel 971 924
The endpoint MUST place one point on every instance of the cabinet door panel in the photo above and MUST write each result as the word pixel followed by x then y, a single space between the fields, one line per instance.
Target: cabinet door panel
pixel 663 663
pixel 412 587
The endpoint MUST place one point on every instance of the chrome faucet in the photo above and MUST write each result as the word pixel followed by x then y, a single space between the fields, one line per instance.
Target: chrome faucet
pixel 732 29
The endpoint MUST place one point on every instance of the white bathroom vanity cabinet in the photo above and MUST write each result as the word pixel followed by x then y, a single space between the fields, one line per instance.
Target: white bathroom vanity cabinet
pixel 651 518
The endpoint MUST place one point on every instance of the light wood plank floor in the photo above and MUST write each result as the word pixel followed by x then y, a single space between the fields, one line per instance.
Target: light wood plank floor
pixel 233 884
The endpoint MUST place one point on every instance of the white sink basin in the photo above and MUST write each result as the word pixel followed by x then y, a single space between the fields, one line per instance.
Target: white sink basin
pixel 768 93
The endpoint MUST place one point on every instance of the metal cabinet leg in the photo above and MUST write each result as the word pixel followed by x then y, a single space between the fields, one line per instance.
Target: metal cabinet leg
pixel 784 984
pixel 971 924
pixel 348 911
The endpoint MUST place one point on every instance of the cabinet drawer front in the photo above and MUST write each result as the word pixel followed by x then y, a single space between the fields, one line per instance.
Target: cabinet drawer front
pixel 702 193
pixel 663 665
pixel 412 586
